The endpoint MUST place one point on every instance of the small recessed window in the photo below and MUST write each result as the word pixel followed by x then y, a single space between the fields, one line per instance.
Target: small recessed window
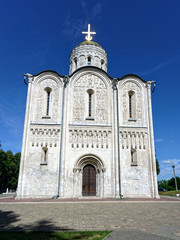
pixel 48 91
pixel 102 64
pixel 89 61
pixel 132 107
pixel 90 102
pixel 133 157
pixel 75 63
pixel 44 156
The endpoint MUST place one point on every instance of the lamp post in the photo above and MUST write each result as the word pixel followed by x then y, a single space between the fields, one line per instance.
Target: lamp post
pixel 173 167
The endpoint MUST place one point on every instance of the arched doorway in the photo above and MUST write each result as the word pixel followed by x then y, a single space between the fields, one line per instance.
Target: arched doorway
pixel 89 180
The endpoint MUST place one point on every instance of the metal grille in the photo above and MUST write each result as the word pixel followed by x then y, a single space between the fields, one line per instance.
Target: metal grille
pixel 48 98
pixel 130 106
pixel 90 100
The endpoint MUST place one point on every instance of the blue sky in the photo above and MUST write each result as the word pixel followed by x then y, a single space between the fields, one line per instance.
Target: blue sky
pixel 140 37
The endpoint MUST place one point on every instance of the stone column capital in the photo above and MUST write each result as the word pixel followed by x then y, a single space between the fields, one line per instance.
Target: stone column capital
pixel 149 83
pixel 114 83
pixel 29 76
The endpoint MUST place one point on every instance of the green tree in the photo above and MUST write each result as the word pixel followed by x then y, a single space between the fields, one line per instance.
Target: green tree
pixel 3 169
pixel 171 182
pixel 157 167
pixel 164 184
pixel 9 169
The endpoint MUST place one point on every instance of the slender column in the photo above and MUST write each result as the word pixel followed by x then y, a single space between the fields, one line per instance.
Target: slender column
pixel 117 142
pixel 20 189
pixel 151 142
pixel 61 138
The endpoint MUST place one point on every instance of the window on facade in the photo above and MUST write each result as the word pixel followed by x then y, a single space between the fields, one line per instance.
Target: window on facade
pixel 130 106
pixel 90 104
pixel 102 64
pixel 44 156
pixel 75 63
pixel 131 95
pixel 89 61
pixel 90 100
pixel 48 91
pixel 133 157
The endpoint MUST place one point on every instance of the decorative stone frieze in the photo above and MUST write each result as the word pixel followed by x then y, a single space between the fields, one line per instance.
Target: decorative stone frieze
pixel 136 139
pixel 89 138
pixel 44 136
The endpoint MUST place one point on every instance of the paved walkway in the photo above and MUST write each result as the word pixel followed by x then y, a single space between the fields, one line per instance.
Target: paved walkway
pixel 134 235
pixel 129 219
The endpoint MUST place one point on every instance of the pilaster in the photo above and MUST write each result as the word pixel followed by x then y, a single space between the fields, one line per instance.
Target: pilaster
pixel 24 151
pixel 151 142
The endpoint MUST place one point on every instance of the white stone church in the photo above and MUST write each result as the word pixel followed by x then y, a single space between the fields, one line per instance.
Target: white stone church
pixel 87 134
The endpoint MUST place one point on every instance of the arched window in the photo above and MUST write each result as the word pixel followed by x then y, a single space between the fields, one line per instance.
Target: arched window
pixel 48 91
pixel 90 101
pixel 89 61
pixel 133 157
pixel 44 156
pixel 102 64
pixel 75 63
pixel 132 106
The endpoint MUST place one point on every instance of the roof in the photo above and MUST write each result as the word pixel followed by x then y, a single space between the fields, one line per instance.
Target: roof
pixel 89 43
pixel 90 67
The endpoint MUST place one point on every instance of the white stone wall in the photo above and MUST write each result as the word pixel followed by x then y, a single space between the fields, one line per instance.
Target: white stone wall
pixel 87 140
pixel 37 178
pixel 80 54
pixel 135 135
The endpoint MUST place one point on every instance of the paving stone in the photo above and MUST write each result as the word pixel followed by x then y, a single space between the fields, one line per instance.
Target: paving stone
pixel 133 235
pixel 159 219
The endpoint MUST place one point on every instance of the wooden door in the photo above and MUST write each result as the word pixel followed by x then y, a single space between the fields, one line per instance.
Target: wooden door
pixel 89 181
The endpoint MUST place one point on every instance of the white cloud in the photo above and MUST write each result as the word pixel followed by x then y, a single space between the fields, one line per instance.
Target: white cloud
pixel 159 140
pixel 74 27
pixel 174 160
pixel 160 65
pixel 166 170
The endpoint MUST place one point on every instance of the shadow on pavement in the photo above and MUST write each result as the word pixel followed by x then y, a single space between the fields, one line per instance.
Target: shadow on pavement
pixel 9 220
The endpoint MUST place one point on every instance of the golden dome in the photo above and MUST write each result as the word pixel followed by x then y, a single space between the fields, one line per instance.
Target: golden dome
pixel 89 43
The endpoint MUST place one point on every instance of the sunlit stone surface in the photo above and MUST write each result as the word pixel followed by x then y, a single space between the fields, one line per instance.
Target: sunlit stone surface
pixel 96 111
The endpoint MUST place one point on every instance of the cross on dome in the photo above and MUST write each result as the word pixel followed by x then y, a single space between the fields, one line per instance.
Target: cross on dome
pixel 89 37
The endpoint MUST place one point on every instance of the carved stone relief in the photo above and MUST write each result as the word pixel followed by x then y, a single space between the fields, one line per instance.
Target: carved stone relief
pixel 81 86
pixel 81 138
pixel 131 86
pixel 133 139
pixel 44 137
pixel 97 54
pixel 40 101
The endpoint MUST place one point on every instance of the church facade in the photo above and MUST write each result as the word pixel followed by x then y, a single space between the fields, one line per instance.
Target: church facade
pixel 87 134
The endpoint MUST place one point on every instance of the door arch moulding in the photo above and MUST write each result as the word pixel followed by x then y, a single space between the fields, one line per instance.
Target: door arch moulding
pixel 89 159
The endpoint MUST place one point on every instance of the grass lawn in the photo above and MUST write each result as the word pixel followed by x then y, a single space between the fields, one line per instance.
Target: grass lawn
pixel 89 235
pixel 7 195
pixel 169 193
